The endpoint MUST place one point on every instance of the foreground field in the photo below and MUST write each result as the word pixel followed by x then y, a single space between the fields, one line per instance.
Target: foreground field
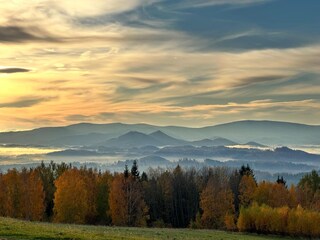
pixel 16 229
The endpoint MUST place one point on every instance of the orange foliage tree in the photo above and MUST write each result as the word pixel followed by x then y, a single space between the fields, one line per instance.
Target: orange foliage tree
pixel 71 203
pixel 33 196
pixel 273 194
pixel 247 188
pixel 127 206
pixel 216 202
pixel 12 194
pixel 21 195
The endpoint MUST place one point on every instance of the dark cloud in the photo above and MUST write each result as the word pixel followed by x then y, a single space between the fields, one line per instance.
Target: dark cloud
pixel 16 34
pixel 14 70
pixel 259 79
pixel 25 102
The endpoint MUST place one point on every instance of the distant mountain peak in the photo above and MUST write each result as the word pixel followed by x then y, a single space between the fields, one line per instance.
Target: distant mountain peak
pixel 166 139
pixel 133 134
pixel 158 133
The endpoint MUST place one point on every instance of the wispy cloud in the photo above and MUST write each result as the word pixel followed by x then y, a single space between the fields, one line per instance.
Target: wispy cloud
pixel 24 102
pixel 205 3
pixel 16 34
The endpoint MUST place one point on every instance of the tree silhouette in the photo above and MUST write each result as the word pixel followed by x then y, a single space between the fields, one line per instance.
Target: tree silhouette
pixel 134 170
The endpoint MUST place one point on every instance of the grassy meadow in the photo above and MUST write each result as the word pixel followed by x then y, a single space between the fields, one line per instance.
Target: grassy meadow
pixel 17 229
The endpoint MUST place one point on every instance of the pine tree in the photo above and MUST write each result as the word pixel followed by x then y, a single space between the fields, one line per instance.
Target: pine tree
pixel 280 180
pixel 144 177
pixel 134 170
pixel 126 171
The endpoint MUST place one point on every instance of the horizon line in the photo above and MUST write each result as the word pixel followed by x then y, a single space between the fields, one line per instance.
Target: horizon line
pixel 155 125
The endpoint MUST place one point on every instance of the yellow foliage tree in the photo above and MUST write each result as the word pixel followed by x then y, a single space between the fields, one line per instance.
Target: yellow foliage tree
pixel 71 198
pixel 230 222
pixel 265 219
pixel 247 188
pixel 293 200
pixel 90 178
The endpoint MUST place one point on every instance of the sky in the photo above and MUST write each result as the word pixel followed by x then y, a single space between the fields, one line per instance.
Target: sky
pixel 165 62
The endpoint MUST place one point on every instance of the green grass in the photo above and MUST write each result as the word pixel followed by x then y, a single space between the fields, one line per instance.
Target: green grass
pixel 16 229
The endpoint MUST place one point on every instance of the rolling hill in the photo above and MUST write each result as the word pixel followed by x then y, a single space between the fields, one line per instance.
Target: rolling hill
pixel 264 132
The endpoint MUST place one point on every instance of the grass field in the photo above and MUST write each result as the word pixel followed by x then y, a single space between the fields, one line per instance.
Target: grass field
pixel 16 229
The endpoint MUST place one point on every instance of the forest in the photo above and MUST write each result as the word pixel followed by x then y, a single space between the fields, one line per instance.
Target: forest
pixel 207 198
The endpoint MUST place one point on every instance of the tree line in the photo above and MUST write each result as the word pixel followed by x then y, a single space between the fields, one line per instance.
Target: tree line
pixel 211 198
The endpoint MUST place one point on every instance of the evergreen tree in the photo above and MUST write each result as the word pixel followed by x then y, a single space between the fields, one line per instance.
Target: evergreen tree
pixel 144 177
pixel 126 171
pixel 134 170
pixel 246 171
pixel 280 180
pixel 311 181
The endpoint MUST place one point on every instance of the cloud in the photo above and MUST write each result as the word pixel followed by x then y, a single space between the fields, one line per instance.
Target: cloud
pixel 260 79
pixel 17 34
pixel 24 102
pixel 206 3
pixel 100 7
pixel 14 70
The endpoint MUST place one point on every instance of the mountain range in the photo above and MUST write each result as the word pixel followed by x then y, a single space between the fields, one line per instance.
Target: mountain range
pixel 88 134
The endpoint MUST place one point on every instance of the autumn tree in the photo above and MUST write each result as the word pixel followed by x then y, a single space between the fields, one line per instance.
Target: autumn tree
pixel 90 177
pixel 21 195
pixel 12 191
pixel 2 196
pixel 308 186
pixel 71 198
pixel 247 188
pixel 48 174
pixel 127 205
pixel 32 202
pixel 273 194
pixel 216 202
pixel 235 180
pixel 280 196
